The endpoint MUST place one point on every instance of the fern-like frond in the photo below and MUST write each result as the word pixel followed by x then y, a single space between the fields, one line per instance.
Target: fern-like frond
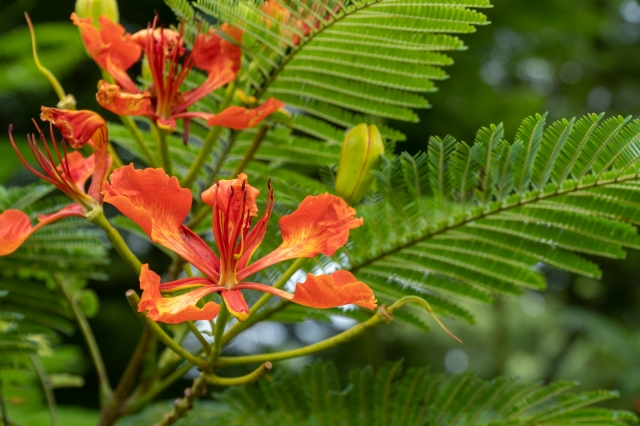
pixel 483 216
pixel 342 61
pixel 415 397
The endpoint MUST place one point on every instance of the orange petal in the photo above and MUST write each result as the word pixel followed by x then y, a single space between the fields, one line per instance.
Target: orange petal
pixel 159 205
pixel 77 127
pixel 223 192
pixel 239 118
pixel 110 97
pixel 328 291
pixel 15 226
pixel 173 310
pixel 111 48
pixel 321 224
pixel 169 39
pixel 236 304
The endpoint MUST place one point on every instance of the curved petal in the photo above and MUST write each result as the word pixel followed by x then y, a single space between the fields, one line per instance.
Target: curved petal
pixel 328 291
pixel 236 304
pixel 77 127
pixel 111 48
pixel 159 205
pixel 110 97
pixel 165 38
pixel 80 128
pixel 173 310
pixel 239 118
pixel 231 191
pixel 15 226
pixel 321 224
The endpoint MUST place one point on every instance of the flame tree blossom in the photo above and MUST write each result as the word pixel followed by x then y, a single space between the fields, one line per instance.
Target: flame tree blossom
pixel 169 64
pixel 68 171
pixel 158 204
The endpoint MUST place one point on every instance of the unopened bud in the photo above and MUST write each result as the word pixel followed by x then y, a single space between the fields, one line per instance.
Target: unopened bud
pixel 96 8
pixel 361 153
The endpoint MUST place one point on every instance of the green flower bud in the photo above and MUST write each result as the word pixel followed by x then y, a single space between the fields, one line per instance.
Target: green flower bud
pixel 96 8
pixel 361 153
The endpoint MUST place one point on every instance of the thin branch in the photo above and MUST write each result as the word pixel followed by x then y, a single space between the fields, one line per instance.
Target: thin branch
pixel 205 345
pixel 249 153
pixel 134 300
pixel 160 136
pixel 209 142
pixel 97 217
pixel 46 386
pixel 89 338
pixel 137 136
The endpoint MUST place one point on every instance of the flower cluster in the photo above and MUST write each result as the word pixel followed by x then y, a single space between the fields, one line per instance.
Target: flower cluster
pixel 157 203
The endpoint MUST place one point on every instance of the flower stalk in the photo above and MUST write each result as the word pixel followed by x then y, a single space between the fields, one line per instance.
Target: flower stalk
pixel 97 217
pixel 160 136
pixel 209 142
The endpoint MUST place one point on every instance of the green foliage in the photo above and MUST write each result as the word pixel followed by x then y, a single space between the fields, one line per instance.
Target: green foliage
pixel 340 63
pixel 60 49
pixel 415 397
pixel 33 310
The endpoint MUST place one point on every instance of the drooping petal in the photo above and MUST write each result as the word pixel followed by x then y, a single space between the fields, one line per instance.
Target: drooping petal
pixel 158 204
pixel 110 97
pixel 236 304
pixel 80 128
pixel 239 118
pixel 77 127
pixel 328 291
pixel 111 48
pixel 230 191
pixel 173 310
pixel 15 226
pixel 321 224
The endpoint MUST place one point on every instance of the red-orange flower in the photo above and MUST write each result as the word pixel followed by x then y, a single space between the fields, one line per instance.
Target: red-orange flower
pixel 69 172
pixel 159 205
pixel 169 64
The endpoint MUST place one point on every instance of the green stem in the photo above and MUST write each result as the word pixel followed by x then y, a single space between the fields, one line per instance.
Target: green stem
pixel 248 155
pixel 221 322
pixel 116 408
pixel 205 345
pixel 139 403
pixel 115 159
pixel 182 406
pixel 254 376
pixel 89 338
pixel 383 314
pixel 97 217
pixel 134 300
pixel 329 343
pixel 137 136
pixel 46 386
pixel 160 136
pixel 209 142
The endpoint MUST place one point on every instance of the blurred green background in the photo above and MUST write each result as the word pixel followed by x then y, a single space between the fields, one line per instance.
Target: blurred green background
pixel 566 57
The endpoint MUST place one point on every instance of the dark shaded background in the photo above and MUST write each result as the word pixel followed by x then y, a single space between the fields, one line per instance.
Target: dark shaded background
pixel 566 57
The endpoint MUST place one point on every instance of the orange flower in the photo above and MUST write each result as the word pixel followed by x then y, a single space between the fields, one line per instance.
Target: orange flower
pixel 69 172
pixel 169 64
pixel 159 205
